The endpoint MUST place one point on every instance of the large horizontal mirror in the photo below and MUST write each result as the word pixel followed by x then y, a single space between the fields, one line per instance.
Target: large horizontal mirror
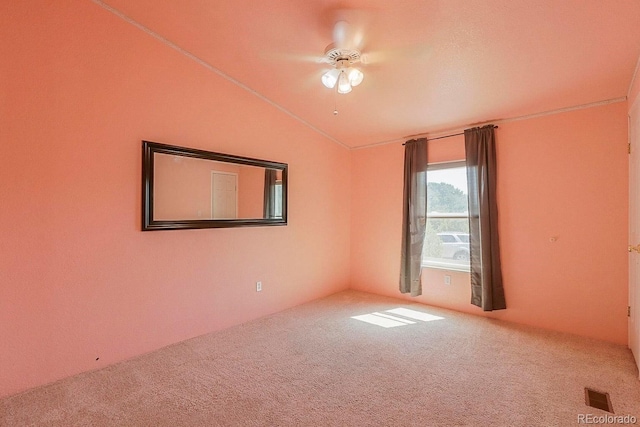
pixel 189 188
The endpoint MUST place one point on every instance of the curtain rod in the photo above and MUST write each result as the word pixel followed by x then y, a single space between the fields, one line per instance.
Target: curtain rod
pixel 448 136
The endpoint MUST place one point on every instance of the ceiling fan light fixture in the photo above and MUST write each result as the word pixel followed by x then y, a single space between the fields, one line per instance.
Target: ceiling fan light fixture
pixel 344 86
pixel 330 78
pixel 355 76
pixel 341 59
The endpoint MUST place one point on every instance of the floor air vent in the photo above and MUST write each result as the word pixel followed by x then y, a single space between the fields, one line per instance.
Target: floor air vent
pixel 597 399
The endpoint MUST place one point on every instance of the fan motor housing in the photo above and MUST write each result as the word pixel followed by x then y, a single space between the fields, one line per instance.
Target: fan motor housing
pixel 340 57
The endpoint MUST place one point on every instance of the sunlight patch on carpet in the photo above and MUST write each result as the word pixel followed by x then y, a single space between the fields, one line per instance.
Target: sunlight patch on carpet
pixel 413 314
pixel 388 321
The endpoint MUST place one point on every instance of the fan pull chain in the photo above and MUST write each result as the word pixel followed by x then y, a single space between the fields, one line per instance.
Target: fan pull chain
pixel 335 101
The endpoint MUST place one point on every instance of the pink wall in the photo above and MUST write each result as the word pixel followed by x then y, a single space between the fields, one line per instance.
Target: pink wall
pixel 562 176
pixel 80 89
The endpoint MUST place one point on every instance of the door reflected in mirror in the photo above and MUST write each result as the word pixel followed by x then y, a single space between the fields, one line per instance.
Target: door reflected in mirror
pixel 187 188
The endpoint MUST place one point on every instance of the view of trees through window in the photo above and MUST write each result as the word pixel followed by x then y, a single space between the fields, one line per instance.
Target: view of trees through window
pixel 447 234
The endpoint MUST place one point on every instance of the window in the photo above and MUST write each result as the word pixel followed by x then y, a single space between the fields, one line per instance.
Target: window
pixel 446 243
pixel 278 199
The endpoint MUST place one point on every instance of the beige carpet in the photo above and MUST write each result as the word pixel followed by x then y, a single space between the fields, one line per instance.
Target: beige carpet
pixel 315 365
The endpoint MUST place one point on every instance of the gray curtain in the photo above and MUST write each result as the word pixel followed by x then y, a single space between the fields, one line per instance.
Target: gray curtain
pixel 270 177
pixel 487 291
pixel 414 215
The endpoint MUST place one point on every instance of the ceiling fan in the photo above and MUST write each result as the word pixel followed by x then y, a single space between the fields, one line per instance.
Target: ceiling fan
pixel 343 54
pixel 352 30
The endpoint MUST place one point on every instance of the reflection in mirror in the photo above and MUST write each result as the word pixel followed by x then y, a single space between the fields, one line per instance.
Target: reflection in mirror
pixel 190 188
pixel 186 188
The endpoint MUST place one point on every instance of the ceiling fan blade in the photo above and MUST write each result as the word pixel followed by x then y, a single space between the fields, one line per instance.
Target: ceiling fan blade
pixel 349 27
pixel 341 33
pixel 295 57
pixel 398 54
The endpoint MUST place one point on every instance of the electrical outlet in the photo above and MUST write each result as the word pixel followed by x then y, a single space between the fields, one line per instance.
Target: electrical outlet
pixel 447 279
pixel 258 286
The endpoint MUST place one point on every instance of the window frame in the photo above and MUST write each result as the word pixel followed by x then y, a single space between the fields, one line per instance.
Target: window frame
pixel 437 265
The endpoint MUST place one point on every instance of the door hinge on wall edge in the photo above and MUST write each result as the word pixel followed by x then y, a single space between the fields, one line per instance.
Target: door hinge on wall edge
pixel 628 311
pixel 629 148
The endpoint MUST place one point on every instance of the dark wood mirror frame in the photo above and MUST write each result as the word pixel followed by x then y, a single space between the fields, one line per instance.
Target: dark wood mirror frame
pixel 149 223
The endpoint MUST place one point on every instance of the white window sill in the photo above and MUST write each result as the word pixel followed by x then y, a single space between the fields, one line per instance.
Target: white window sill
pixel 446 264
